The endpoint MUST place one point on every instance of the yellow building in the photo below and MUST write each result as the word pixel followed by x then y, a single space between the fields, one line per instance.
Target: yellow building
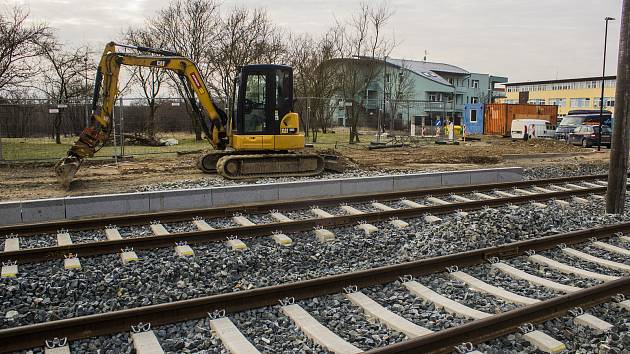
pixel 567 94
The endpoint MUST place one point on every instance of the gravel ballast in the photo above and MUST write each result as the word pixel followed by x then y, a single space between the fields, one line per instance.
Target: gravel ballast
pixel 105 285
pixel 45 291
pixel 546 171
pixel 577 339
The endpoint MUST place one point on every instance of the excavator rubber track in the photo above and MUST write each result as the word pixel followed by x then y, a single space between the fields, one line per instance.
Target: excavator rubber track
pixel 238 166
pixel 207 163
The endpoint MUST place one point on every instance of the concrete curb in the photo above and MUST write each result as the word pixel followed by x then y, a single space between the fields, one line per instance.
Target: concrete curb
pixel 30 211
pixel 546 155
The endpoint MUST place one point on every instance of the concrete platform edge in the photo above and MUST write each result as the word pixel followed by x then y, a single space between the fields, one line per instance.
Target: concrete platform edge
pixel 29 211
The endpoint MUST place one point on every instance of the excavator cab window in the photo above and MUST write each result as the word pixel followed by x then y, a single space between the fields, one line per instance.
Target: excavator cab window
pixel 284 93
pixel 255 104
pixel 265 95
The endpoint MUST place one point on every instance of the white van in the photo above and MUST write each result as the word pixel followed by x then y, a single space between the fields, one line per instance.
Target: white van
pixel 532 129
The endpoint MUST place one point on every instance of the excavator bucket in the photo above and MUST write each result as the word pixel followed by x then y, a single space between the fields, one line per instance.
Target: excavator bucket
pixel 65 169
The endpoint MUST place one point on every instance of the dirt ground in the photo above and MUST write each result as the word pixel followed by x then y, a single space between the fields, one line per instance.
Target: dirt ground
pixel 32 181
pixel 488 151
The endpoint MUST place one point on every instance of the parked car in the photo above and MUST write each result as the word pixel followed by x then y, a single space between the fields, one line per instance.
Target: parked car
pixel 531 129
pixel 576 118
pixel 588 135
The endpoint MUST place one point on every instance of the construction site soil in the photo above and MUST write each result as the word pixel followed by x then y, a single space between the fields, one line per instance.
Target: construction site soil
pixel 37 180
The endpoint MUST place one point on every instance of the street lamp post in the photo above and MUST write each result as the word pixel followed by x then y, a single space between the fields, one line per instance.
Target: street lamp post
pixel 601 100
pixel 381 117
pixel 87 92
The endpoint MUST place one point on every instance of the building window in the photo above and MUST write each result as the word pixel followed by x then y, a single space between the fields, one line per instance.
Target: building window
pixel 451 81
pixel 474 100
pixel 560 102
pixel 580 102
pixel 608 102
pixel 387 78
pixel 473 116
pixel 435 97
pixel 536 101
pixel 474 83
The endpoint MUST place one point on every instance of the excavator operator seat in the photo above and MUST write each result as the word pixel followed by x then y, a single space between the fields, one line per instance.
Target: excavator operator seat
pixel 263 110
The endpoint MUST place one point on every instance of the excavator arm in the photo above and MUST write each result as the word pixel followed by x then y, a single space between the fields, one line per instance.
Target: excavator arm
pixel 94 137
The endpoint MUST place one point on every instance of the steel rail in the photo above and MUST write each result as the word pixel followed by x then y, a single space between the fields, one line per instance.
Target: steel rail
pixel 34 335
pixel 179 215
pixel 485 329
pixel 245 232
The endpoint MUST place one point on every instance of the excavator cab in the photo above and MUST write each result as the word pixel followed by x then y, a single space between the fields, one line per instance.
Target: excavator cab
pixel 262 115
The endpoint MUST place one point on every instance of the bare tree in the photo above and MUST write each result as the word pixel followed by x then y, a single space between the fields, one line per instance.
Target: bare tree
pixel 20 46
pixel 246 37
pixel 399 91
pixel 313 81
pixel 62 78
pixel 359 50
pixel 150 80
pixel 189 27
pixel 217 45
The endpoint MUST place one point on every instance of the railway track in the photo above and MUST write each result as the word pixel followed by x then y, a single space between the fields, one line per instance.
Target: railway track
pixel 428 205
pixel 412 277
pixel 186 215
pixel 367 209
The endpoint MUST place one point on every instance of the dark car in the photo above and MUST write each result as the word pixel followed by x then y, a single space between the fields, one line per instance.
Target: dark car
pixel 588 135
pixel 578 117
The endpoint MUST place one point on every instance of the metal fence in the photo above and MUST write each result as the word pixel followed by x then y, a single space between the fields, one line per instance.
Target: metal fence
pixel 27 127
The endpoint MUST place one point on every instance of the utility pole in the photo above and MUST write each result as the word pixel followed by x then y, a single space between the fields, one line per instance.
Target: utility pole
pixel 87 92
pixel 601 102
pixel 618 170
pixel 382 116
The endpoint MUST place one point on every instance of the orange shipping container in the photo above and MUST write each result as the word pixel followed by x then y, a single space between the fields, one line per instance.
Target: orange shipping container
pixel 498 117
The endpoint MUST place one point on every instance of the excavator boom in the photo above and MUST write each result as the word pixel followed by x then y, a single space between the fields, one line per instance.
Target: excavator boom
pixel 94 137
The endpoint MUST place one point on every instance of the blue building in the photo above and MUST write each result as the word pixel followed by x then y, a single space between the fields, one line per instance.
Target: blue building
pixel 473 118
pixel 433 92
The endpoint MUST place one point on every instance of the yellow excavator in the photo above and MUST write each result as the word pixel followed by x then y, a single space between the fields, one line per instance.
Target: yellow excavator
pixel 261 138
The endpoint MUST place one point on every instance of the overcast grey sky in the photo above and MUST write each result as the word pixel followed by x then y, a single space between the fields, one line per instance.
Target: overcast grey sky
pixel 522 39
